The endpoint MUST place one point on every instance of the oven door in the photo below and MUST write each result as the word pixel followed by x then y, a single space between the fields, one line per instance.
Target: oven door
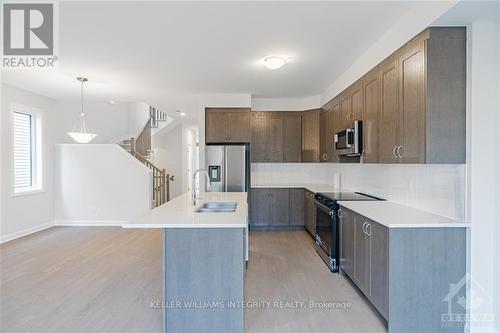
pixel 324 227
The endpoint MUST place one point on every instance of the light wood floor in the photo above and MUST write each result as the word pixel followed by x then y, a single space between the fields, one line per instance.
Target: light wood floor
pixel 103 279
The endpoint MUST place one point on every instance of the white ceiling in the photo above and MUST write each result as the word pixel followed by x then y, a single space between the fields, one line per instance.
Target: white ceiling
pixel 163 53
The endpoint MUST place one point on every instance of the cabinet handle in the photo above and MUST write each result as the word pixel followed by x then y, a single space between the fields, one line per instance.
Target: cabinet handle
pixel 364 227
pixel 394 151
pixel 325 156
pixel 307 195
pixel 339 213
pixel 398 152
pixel 368 225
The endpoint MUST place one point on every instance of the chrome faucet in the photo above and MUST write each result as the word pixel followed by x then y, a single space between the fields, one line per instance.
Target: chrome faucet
pixel 209 184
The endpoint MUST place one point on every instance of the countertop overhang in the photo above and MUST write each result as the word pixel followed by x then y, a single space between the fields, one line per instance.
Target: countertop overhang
pixel 179 213
pixel 394 215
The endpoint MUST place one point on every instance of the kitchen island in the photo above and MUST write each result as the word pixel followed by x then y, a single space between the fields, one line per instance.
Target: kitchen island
pixel 204 262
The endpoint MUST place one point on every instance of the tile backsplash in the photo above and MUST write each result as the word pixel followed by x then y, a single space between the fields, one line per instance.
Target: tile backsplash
pixel 439 189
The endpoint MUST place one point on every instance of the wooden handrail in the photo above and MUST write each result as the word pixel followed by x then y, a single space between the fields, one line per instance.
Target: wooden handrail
pixel 142 144
pixel 160 179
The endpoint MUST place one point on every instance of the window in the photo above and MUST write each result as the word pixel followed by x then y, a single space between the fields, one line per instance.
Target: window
pixel 26 149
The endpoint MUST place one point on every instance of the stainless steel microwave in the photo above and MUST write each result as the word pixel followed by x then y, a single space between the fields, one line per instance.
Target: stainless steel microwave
pixel 349 142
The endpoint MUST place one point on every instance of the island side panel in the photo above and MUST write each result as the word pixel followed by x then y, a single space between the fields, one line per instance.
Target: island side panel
pixel 423 262
pixel 204 267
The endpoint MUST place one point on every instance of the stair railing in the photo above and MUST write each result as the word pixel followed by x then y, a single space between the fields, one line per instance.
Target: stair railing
pixel 142 144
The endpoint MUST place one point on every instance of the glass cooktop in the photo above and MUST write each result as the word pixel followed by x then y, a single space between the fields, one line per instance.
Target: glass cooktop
pixel 349 196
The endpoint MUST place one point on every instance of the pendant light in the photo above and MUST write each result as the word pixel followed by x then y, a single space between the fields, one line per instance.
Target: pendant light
pixel 83 135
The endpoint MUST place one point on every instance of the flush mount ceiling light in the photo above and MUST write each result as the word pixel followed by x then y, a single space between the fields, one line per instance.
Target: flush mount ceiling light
pixel 274 62
pixel 80 133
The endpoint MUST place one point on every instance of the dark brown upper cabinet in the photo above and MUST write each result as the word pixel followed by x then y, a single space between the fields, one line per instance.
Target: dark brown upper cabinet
pixel 227 125
pixel 276 137
pixel 327 131
pixel 372 102
pixel 413 103
pixel 292 144
pixel 311 136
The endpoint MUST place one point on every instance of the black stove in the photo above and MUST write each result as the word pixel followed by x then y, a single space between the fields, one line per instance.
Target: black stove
pixel 327 224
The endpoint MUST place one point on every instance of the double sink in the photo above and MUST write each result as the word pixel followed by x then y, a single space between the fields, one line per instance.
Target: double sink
pixel 217 207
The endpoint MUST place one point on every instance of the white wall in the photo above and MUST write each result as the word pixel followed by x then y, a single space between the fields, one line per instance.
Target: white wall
pixel 24 214
pixel 484 160
pixel 109 122
pixel 171 153
pixel 99 184
pixel 436 188
pixel 168 154
pixel 408 26
pixel 138 115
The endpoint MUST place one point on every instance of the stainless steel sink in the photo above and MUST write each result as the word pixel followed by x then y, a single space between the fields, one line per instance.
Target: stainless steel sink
pixel 217 207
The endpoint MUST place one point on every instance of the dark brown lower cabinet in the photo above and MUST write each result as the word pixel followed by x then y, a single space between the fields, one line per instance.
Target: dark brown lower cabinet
pixel 364 256
pixel 276 208
pixel 297 206
pixel 420 262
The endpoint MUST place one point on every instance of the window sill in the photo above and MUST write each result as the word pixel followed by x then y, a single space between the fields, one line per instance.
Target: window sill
pixel 28 192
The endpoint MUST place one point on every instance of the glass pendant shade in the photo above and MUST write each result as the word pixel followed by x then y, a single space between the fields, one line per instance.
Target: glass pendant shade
pixel 80 133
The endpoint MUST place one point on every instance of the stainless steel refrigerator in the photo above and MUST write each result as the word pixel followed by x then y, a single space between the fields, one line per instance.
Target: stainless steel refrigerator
pixel 228 167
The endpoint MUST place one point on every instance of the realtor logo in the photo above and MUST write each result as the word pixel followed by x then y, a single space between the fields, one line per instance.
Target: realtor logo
pixel 459 308
pixel 28 35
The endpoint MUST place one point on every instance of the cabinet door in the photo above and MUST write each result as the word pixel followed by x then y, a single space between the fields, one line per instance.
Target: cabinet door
pixel 389 113
pixel 258 147
pixel 323 135
pixel 338 122
pixel 274 138
pixel 356 93
pixel 260 207
pixel 239 127
pixel 412 109
pixel 347 221
pixel 334 127
pixel 361 255
pixel 379 267
pixel 292 145
pixel 280 207
pixel 297 206
pixel 216 127
pixel 371 83
pixel 310 136
pixel 345 110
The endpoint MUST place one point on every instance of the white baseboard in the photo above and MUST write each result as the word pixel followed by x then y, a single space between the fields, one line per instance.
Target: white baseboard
pixel 90 223
pixel 25 232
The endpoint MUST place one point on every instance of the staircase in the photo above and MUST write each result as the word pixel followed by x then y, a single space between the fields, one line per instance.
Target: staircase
pixel 140 148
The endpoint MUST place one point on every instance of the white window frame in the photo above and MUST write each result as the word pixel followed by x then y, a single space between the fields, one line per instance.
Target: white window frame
pixel 37 150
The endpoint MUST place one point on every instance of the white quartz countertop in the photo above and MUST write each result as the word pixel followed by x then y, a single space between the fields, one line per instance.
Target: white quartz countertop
pixel 393 215
pixel 311 187
pixel 179 213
